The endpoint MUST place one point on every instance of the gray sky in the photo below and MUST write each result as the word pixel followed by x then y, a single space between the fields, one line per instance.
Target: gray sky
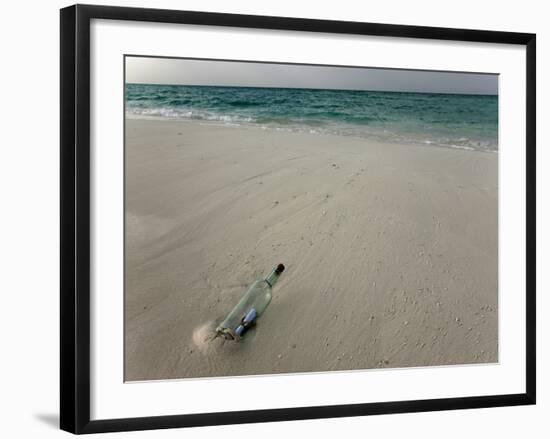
pixel 234 73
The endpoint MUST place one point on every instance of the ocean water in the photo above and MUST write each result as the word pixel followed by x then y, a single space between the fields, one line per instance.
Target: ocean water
pixel 445 120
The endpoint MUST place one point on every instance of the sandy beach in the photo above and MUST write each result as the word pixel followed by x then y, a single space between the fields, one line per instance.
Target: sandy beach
pixel 391 251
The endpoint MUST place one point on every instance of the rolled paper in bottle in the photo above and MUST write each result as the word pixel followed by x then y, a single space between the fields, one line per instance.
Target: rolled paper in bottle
pixel 239 330
pixel 250 317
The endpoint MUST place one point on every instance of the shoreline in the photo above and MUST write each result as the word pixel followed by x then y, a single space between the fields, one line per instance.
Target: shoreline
pixel 304 130
pixel 391 251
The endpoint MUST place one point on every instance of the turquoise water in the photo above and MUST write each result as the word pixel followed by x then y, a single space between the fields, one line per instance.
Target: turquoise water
pixel 448 120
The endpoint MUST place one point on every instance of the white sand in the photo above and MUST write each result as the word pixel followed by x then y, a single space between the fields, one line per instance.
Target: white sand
pixel 391 251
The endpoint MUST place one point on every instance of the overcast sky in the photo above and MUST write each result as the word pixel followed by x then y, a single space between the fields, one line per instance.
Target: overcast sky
pixel 233 73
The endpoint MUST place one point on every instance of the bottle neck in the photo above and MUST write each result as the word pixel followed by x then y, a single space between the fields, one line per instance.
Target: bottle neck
pixel 272 278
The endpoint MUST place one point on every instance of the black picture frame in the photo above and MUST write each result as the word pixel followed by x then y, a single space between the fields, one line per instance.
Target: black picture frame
pixel 75 217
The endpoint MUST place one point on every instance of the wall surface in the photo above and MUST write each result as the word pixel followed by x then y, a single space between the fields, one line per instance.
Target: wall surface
pixel 29 246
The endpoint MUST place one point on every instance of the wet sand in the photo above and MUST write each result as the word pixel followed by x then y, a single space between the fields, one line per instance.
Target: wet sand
pixel 391 251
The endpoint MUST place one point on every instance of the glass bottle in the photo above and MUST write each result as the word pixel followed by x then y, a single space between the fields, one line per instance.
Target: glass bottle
pixel 250 307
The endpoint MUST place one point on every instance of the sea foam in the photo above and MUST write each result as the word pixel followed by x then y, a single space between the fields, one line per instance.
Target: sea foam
pixel 468 122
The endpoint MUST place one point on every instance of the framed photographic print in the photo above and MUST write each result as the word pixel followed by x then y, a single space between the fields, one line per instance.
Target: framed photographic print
pixel 273 218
